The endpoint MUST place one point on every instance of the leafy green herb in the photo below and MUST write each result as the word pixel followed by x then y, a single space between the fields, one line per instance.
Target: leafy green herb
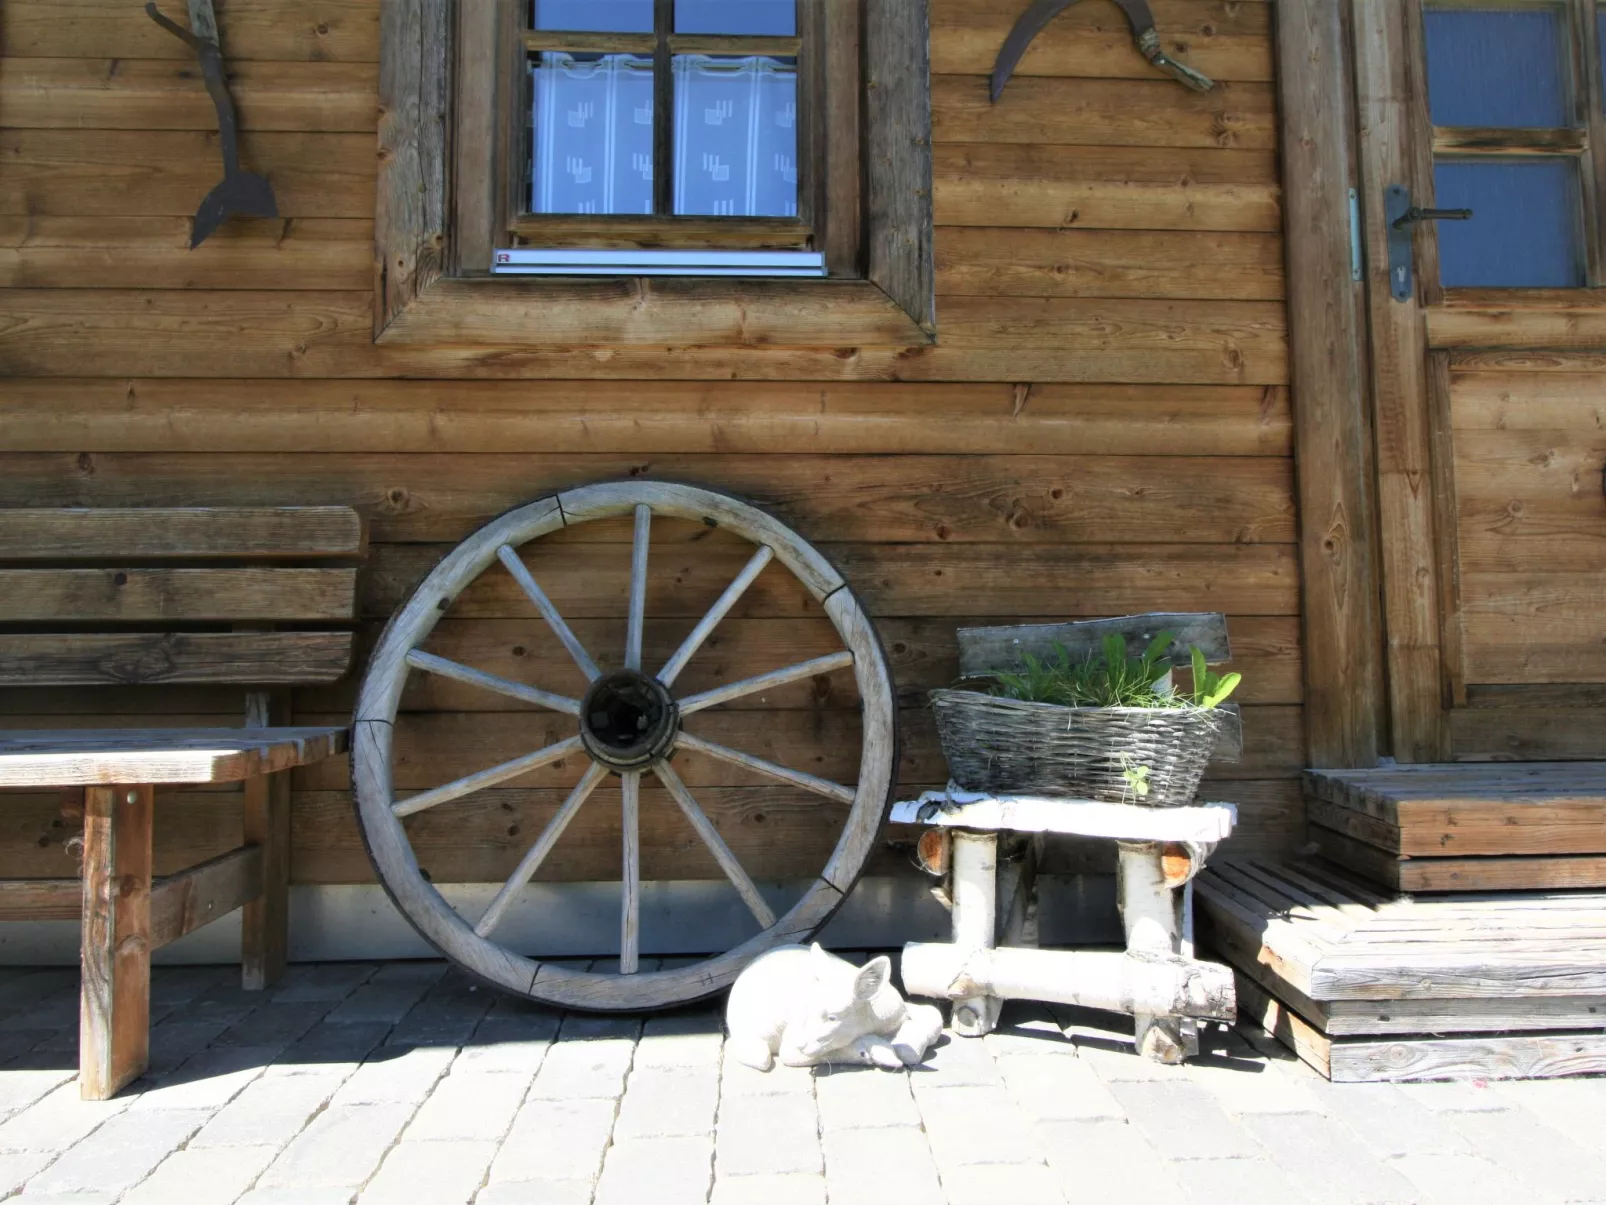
pixel 1113 678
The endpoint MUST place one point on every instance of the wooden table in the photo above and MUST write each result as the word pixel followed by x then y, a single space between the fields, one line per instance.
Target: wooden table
pixel 125 915
pixel 1157 980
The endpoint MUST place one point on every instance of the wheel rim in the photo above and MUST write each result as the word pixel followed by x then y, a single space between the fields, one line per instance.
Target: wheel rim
pixel 614 702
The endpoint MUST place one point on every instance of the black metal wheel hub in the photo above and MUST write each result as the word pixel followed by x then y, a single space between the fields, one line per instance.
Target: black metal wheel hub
pixel 628 720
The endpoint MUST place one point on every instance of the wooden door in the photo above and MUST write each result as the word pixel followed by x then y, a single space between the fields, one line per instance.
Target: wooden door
pixel 1488 370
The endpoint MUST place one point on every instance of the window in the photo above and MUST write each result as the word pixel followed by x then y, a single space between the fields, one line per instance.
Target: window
pixel 1516 106
pixel 774 152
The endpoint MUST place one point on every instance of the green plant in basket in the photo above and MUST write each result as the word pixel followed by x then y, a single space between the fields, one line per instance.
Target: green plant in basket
pixel 1113 678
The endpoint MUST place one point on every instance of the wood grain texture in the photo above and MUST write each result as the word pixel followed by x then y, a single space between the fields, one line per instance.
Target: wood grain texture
pixel 114 1013
pixel 98 756
pixel 1393 149
pixel 1338 554
pixel 255 30
pixel 184 902
pixel 658 417
pixel 92 533
pixel 91 659
pixel 898 131
pixel 164 595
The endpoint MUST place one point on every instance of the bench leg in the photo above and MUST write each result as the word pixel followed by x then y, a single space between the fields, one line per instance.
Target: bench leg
pixel 114 1024
pixel 1149 916
pixel 264 924
pixel 975 895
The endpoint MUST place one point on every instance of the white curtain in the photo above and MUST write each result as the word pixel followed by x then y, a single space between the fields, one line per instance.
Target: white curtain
pixel 735 136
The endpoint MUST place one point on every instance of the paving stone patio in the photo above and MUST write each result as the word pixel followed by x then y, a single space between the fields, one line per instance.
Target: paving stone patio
pixel 403 1082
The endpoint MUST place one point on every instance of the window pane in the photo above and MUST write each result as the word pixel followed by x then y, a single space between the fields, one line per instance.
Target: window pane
pixel 593 134
pixel 593 16
pixel 1496 67
pixel 1524 230
pixel 735 136
pixel 765 18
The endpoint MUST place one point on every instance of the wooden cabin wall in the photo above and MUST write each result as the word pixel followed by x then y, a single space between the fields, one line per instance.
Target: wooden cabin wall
pixel 1103 426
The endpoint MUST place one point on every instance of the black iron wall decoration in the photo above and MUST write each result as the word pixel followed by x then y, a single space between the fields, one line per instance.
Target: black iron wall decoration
pixel 241 192
pixel 1035 18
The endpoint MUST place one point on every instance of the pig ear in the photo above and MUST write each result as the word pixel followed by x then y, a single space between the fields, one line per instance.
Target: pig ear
pixel 872 978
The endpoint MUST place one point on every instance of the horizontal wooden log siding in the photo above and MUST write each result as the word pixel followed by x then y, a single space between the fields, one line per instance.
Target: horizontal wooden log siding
pixel 1103 426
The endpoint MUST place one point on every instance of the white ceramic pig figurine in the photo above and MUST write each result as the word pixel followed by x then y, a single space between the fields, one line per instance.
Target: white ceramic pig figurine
pixel 805 1006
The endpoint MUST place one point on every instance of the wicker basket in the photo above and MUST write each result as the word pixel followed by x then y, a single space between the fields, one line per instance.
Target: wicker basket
pixel 1004 745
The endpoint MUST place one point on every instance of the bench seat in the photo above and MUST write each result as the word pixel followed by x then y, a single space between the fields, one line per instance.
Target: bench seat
pixel 161 756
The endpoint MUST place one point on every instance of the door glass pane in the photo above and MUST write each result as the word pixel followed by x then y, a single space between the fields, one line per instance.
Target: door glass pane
pixel 592 16
pixel 1497 67
pixel 593 134
pixel 735 136
pixel 1524 231
pixel 764 18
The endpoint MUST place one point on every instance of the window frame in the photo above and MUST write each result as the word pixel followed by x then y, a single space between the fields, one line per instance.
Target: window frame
pixel 1583 141
pixel 451 78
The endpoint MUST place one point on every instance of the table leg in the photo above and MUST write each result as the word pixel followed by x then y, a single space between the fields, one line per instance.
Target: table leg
pixel 1149 915
pixel 114 1020
pixel 975 895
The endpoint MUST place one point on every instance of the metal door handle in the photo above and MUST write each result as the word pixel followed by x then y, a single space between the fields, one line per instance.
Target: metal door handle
pixel 1417 214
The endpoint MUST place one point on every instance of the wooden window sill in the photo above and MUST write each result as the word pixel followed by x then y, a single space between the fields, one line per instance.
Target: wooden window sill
pixel 654 311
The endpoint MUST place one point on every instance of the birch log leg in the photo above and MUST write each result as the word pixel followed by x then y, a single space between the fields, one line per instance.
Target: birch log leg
pixel 975 892
pixel 114 1019
pixel 1149 916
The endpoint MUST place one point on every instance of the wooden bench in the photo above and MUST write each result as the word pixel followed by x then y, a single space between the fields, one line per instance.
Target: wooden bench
pixel 260 598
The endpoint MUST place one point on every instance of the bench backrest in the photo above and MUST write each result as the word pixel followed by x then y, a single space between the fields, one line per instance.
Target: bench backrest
pixel 254 596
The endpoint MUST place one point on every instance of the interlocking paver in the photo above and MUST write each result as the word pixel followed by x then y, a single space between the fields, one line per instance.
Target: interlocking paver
pixel 440 1173
pixel 1245 1084
pixel 864 1098
pixel 954 1062
pixel 1456 1096
pixel 270 1111
pixel 767 1134
pixel 555 1140
pixel 59 1120
pixel 339 1149
pixel 667 1102
pixel 469 1105
pixel 536 1192
pixel 207 1080
pixel 1028 1029
pixel 1327 1163
pixel 783 1189
pixel 19 1089
pixel 738 1080
pixel 329 1044
pixel 63 1198
pixel 1057 1089
pixel 396 1075
pixel 326 981
pixel 575 1069
pixel 17 1168
pixel 296 1196
pixel 1388 1121
pixel 874 1167
pixel 1468 1180
pixel 1536 1154
pixel 991 1184
pixel 665 1171
pixel 976 1124
pixel 1108 1163
pixel 120 1153
pixel 685 1040
pixel 1183 1121
pixel 204 1176
pixel 1234 1181
pixel 1573 1107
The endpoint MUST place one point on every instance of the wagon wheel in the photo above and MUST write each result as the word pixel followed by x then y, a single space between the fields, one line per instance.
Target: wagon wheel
pixel 628 723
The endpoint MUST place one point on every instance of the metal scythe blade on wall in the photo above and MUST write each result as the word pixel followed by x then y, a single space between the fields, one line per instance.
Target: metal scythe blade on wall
pixel 1035 18
pixel 241 192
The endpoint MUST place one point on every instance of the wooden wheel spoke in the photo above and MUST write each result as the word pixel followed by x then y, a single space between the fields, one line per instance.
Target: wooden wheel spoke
pixel 630 904
pixel 430 663
pixel 716 845
pixel 638 587
pixel 779 677
pixel 809 782
pixel 717 612
pixel 527 583
pixel 531 862
pixel 487 778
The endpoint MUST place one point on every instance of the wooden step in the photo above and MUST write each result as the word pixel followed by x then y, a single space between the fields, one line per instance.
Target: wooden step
pixel 1464 827
pixel 1364 986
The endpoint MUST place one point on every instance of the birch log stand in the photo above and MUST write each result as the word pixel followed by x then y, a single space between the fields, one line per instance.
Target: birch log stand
pixel 1156 980
pixel 628 723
